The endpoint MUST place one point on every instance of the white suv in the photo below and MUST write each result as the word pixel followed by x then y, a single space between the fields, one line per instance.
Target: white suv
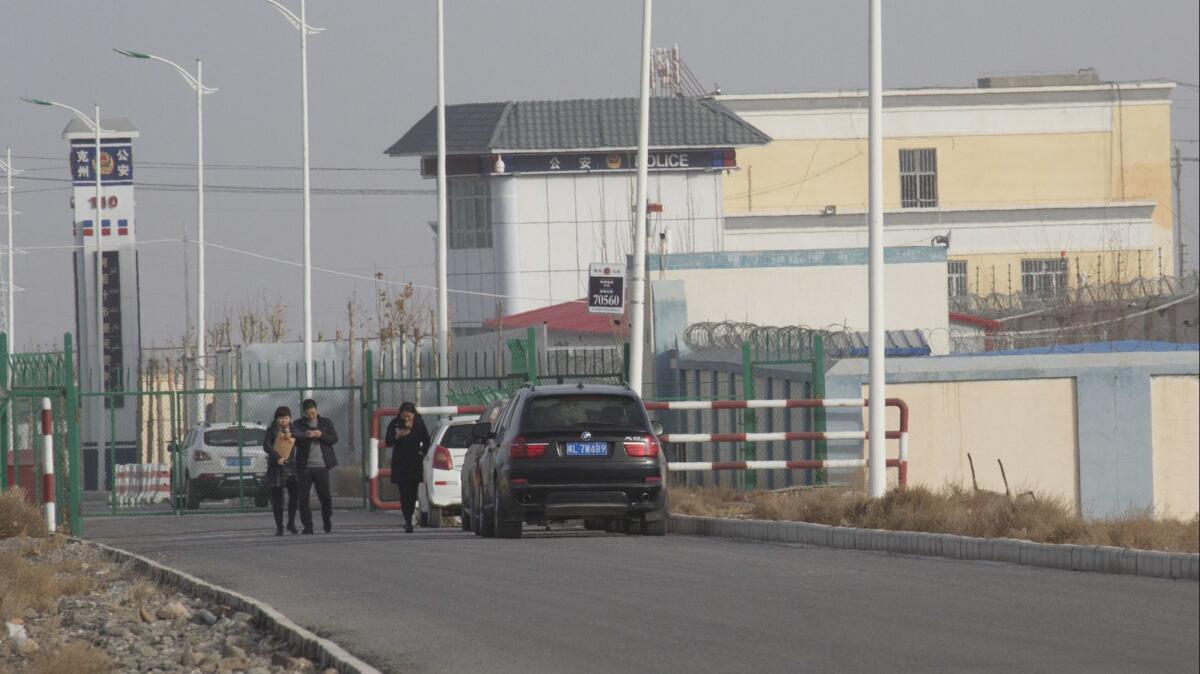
pixel 440 492
pixel 213 469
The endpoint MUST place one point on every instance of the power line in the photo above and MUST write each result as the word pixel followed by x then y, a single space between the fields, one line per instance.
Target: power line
pixel 241 167
pixel 256 189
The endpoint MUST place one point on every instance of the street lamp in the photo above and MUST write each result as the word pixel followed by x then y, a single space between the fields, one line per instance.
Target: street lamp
pixel 300 23
pixel 197 85
pixel 98 231
pixel 10 302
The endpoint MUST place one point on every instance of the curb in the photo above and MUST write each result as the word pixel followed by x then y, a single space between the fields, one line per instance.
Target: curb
pixel 321 651
pixel 1095 558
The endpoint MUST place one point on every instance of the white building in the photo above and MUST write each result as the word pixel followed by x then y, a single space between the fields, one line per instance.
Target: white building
pixel 540 189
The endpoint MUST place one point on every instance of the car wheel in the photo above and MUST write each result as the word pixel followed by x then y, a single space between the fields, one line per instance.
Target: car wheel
pixel 433 518
pixel 464 516
pixel 502 528
pixel 655 528
pixel 593 524
pixel 487 525
pixel 191 494
pixel 262 498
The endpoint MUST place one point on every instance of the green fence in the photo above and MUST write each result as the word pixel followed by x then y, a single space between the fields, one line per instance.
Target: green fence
pixel 27 379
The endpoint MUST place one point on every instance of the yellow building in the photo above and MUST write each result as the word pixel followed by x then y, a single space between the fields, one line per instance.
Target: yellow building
pixel 1042 182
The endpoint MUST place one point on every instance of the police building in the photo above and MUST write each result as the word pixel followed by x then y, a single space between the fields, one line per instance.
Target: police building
pixel 539 190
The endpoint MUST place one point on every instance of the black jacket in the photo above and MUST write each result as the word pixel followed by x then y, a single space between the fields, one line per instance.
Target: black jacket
pixel 304 445
pixel 408 453
pixel 269 448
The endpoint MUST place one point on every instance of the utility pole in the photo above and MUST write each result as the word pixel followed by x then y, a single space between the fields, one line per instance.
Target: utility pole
pixel 1180 246
pixel 637 271
pixel 876 453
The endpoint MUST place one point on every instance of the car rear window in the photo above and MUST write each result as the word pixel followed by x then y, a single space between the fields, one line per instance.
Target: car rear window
pixel 582 412
pixel 457 437
pixel 229 437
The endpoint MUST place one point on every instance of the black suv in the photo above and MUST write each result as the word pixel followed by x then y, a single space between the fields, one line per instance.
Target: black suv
pixel 582 451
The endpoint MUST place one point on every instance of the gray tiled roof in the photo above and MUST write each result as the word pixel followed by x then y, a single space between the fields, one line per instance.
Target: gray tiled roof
pixel 582 124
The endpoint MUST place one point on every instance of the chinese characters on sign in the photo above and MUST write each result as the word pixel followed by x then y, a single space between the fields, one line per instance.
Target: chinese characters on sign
pixel 116 164
pixel 606 288
pixel 668 160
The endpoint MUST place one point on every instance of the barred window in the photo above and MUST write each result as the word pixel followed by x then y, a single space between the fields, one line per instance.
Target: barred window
pixel 469 213
pixel 918 178
pixel 956 278
pixel 1046 277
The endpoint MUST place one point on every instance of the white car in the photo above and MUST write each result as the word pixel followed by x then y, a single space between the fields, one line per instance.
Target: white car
pixel 440 492
pixel 213 468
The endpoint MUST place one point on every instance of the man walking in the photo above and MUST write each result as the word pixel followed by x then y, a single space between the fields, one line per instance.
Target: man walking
pixel 315 437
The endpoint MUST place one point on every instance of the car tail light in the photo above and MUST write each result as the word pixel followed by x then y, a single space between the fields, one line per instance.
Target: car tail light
pixel 520 448
pixel 646 447
pixel 201 455
pixel 442 459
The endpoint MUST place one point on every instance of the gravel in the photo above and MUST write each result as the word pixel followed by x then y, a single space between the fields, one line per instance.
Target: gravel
pixel 142 626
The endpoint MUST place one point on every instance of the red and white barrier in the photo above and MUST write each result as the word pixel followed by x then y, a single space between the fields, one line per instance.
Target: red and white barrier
pixel 374 472
pixel 142 483
pixel 48 486
pixel 775 465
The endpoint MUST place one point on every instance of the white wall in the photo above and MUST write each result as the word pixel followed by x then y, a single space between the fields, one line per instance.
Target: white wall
pixel 565 222
pixel 820 297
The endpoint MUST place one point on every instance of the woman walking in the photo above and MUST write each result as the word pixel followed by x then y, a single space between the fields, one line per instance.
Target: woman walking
pixel 281 468
pixel 409 440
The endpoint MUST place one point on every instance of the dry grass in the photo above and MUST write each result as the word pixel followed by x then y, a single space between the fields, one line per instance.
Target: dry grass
pixel 950 510
pixel 18 518
pixel 140 589
pixel 76 657
pixel 25 585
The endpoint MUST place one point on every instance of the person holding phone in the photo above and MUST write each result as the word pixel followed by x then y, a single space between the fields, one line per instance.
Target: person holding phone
pixel 279 446
pixel 315 437
pixel 408 438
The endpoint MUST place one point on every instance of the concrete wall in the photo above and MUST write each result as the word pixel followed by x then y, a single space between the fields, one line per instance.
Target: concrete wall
pixel 951 419
pixel 1109 432
pixel 1013 148
pixel 1176 445
pixel 816 288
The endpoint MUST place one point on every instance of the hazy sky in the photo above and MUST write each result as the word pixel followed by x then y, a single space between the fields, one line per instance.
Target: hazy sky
pixel 371 77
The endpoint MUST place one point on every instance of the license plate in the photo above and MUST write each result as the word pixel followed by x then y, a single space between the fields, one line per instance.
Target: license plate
pixel 587 449
pixel 234 462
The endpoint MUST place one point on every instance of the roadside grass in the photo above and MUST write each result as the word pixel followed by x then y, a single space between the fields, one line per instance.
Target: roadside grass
pixel 27 579
pixel 76 657
pixel 949 510
pixel 18 518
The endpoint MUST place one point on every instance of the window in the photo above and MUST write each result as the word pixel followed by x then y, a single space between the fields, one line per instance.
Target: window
pixel 469 213
pixel 956 278
pixel 234 436
pixel 1044 277
pixel 582 412
pixel 918 178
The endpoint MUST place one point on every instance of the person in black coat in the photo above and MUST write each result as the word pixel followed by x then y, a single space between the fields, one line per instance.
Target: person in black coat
pixel 281 473
pixel 409 439
pixel 315 437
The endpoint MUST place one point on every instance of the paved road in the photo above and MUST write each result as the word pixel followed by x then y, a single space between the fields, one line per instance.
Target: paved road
pixel 576 601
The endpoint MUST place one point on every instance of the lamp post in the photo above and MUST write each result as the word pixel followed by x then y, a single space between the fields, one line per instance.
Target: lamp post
pixel 10 297
pixel 637 271
pixel 98 232
pixel 196 83
pixel 301 24
pixel 876 477
pixel 443 319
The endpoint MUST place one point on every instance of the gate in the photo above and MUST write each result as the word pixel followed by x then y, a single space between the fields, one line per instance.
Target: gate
pixel 26 380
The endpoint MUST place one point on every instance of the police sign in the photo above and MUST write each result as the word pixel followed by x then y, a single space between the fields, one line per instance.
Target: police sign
pixel 606 288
